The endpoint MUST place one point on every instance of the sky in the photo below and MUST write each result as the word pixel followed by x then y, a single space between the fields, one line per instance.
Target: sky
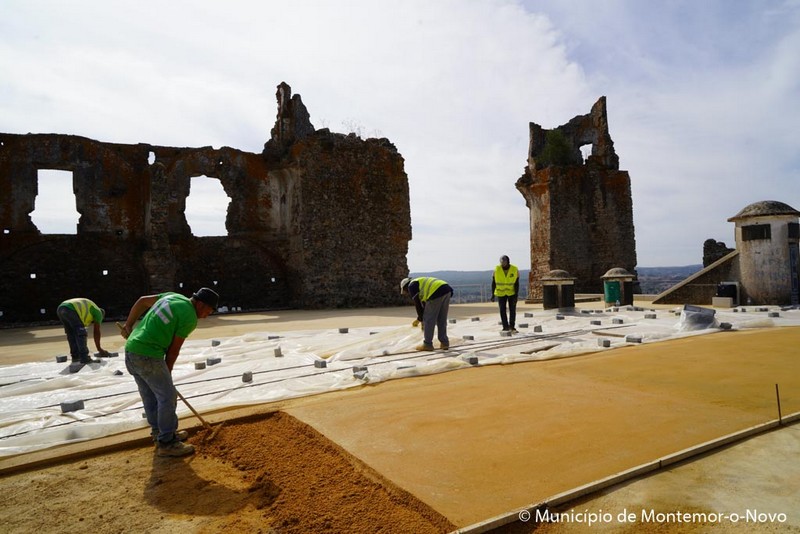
pixel 703 100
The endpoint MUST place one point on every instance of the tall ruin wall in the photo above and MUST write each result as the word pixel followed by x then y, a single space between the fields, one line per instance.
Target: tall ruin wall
pixel 581 212
pixel 316 220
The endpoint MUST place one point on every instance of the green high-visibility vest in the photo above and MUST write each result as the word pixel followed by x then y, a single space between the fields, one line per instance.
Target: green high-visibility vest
pixel 428 286
pixel 504 281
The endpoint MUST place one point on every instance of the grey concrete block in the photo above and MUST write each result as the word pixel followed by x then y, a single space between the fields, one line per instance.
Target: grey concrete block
pixel 278 353
pixel 71 406
pixel 650 316
pixel 559 317
pixel 773 314
pixel 473 319
pixel 451 321
pixel 468 338
pixel 360 375
pixel 199 365
pixel 528 314
pixel 61 359
pixel 633 338
pixel 523 325
pixel 726 326
pixel 215 342
pixel 596 322
pixel 617 321
pixel 118 373
pixel 537 328
pixel 344 330
pixel 320 364
pixel 213 360
pixel 247 376
pixel 505 333
pixel 273 337
pixel 604 343
pixel 470 359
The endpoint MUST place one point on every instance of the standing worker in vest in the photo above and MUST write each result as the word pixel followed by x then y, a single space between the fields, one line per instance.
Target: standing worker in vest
pixel 151 351
pixel 76 314
pixel 431 297
pixel 505 286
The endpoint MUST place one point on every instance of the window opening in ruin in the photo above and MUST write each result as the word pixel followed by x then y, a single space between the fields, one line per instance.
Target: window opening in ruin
pixel 151 158
pixel 586 151
pixel 6 230
pixel 180 285
pixel 42 311
pixel 207 207
pixel 105 272
pixel 33 276
pixel 53 213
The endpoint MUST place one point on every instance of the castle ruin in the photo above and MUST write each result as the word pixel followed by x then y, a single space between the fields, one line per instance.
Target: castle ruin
pixel 317 220
pixel 581 212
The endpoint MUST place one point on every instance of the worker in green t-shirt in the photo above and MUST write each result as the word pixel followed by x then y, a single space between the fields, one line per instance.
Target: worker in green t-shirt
pixel 150 353
pixel 76 314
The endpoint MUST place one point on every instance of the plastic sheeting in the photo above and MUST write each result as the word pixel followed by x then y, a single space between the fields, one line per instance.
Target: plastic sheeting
pixel 33 396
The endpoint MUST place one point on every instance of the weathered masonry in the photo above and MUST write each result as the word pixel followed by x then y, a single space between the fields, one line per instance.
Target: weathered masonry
pixel 317 220
pixel 581 212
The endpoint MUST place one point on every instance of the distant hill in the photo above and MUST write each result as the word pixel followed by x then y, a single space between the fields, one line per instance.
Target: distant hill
pixel 652 280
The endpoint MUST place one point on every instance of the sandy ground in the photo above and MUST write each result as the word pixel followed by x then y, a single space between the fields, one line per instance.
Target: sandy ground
pixel 433 453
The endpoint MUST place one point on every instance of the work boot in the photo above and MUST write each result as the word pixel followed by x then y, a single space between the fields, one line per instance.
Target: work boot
pixel 444 346
pixel 88 359
pixel 174 448
pixel 424 346
pixel 180 435
pixel 514 330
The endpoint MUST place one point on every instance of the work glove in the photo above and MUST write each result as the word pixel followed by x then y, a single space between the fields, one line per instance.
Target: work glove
pixel 415 323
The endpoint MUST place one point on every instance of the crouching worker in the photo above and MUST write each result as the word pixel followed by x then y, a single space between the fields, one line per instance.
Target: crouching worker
pixel 76 314
pixel 431 298
pixel 150 353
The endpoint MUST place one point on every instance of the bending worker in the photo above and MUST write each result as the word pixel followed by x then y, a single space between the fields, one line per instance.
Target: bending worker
pixel 505 286
pixel 151 351
pixel 76 314
pixel 431 297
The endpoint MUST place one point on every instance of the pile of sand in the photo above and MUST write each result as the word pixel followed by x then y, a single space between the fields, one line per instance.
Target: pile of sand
pixel 270 473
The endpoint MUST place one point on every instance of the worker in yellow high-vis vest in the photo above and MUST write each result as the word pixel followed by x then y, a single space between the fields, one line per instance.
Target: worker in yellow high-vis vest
pixel 431 297
pixel 76 314
pixel 505 286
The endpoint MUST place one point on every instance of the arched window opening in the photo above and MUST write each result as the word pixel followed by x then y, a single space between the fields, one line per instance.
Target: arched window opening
pixel 55 210
pixel 207 207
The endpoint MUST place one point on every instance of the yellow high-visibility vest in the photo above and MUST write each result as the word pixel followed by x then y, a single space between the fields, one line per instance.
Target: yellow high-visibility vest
pixel 87 310
pixel 427 286
pixel 504 281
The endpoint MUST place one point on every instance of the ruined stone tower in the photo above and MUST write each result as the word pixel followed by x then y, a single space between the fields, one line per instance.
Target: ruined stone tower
pixel 581 211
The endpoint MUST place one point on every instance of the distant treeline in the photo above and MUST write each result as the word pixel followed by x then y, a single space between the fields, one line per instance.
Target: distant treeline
pixel 475 286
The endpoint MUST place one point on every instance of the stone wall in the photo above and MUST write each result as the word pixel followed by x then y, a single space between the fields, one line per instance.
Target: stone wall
pixel 581 213
pixel 318 219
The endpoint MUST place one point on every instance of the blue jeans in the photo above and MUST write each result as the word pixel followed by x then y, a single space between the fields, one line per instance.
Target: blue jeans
pixel 435 317
pixel 76 333
pixel 159 397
